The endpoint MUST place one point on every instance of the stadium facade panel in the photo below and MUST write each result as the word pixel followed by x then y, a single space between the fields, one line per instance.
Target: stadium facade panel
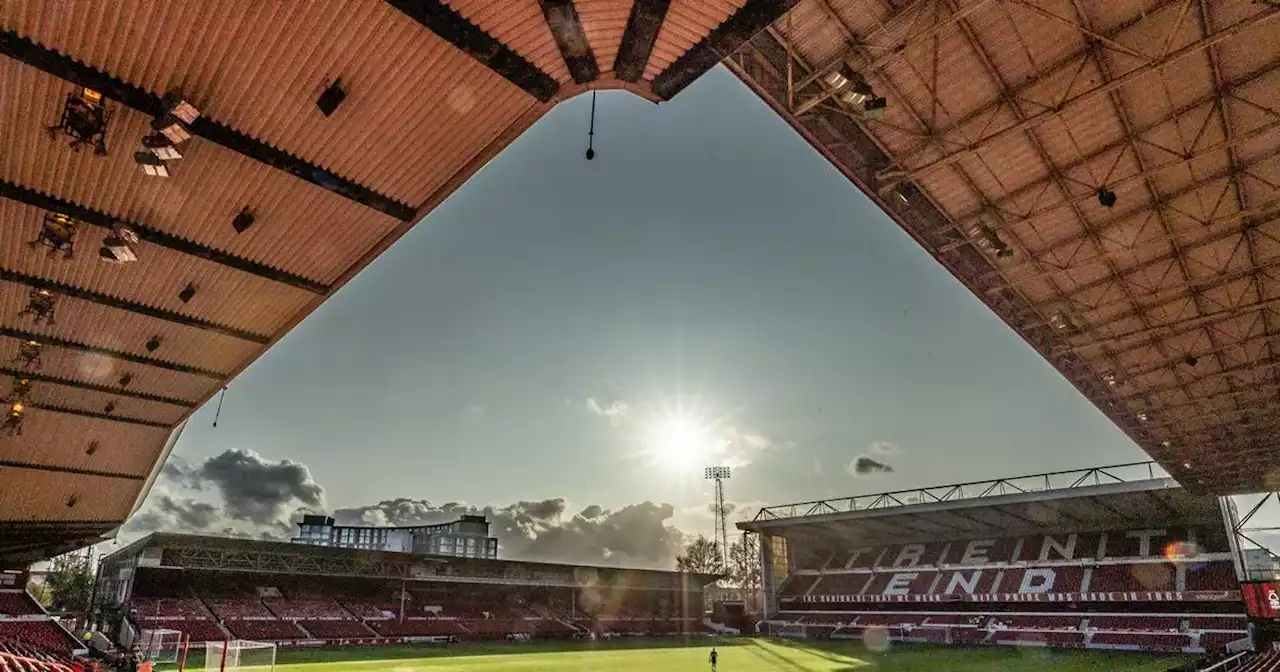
pixel 1141 563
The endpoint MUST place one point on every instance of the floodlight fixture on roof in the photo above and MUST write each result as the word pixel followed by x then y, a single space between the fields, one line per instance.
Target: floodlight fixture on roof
pixel 84 120
pixel 243 221
pixel 41 304
pixel 1106 197
pixel 331 98
pixel 29 354
pixel 179 113
pixel 58 233
pixel 875 108
pixel 151 164
pixel 857 94
pixel 987 239
pixel 21 390
pixel 12 425
pixel 160 145
pixel 841 77
pixel 117 247
pixel 172 128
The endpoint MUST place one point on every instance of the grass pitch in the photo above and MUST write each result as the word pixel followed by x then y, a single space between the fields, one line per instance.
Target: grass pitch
pixel 736 655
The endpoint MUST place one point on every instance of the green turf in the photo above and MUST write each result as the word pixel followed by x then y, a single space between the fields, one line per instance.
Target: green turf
pixel 741 655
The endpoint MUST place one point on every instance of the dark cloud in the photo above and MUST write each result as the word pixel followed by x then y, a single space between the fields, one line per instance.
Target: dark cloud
pixel 253 497
pixel 863 465
pixel 174 514
pixel 635 535
pixel 238 493
pixel 258 490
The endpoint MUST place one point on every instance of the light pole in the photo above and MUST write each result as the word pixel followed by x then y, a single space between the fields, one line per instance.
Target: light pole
pixel 720 475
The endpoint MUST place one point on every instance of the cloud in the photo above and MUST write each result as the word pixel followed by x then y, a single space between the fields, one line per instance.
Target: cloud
pixel 885 448
pixel 614 411
pixel 863 466
pixel 255 489
pixel 637 535
pixel 236 493
pixel 473 414
pixel 241 494
pixel 740 447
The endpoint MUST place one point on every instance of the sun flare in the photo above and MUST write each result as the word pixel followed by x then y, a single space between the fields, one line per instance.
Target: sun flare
pixel 680 441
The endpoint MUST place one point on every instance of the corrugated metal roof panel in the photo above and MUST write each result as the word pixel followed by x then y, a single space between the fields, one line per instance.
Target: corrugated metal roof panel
pixel 300 228
pixel 155 279
pixel 399 76
pixel 1144 285
pixel 519 24
pixel 688 21
pixel 121 331
pixel 67 441
pixel 34 495
pixel 94 369
pixel 604 22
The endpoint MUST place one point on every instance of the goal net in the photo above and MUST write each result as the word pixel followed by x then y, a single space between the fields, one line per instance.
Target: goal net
pixel 158 646
pixel 239 654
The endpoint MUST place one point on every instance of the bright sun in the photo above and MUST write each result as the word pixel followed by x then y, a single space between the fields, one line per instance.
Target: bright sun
pixel 679 441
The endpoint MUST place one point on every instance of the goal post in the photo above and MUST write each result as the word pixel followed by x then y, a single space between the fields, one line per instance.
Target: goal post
pixel 158 645
pixel 239 654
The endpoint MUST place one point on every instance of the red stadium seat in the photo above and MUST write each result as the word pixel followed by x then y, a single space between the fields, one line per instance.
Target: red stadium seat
pixel 199 630
pixel 18 603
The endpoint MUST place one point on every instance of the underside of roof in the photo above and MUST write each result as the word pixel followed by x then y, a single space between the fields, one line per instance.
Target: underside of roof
pixel 1103 174
pixel 274 203
pixel 1086 506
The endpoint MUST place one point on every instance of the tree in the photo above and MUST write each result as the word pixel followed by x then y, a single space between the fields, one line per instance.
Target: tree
pixel 69 583
pixel 744 569
pixel 701 556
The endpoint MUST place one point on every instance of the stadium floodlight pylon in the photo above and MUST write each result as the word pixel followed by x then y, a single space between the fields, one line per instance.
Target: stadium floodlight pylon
pixel 239 654
pixel 720 475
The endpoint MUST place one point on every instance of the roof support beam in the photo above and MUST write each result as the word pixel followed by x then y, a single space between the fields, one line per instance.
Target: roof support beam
pixel 69 470
pixel 1034 121
pixel 36 199
pixel 455 29
pixel 113 354
pixel 121 304
pixel 96 416
pixel 566 28
pixel 1041 186
pixel 638 40
pixel 67 68
pixel 854 48
pixel 1174 328
pixel 725 39
pixel 90 387
pixel 1247 367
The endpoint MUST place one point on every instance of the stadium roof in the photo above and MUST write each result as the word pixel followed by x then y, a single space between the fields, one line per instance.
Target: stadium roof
pixel 1103 174
pixel 433 91
pixel 1162 308
pixel 195 551
pixel 1127 496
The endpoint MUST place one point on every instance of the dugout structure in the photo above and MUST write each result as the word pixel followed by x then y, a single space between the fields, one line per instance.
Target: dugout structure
pixel 1116 557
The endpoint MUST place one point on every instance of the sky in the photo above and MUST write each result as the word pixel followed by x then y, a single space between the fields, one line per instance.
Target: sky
pixel 531 340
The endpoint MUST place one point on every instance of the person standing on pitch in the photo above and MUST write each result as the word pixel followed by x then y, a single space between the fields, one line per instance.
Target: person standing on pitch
pixel 713 658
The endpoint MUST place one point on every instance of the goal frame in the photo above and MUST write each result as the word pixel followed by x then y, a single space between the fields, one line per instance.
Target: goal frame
pixel 159 645
pixel 227 655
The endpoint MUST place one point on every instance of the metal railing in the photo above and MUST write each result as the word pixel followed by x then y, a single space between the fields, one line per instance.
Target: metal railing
pixel 1055 480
